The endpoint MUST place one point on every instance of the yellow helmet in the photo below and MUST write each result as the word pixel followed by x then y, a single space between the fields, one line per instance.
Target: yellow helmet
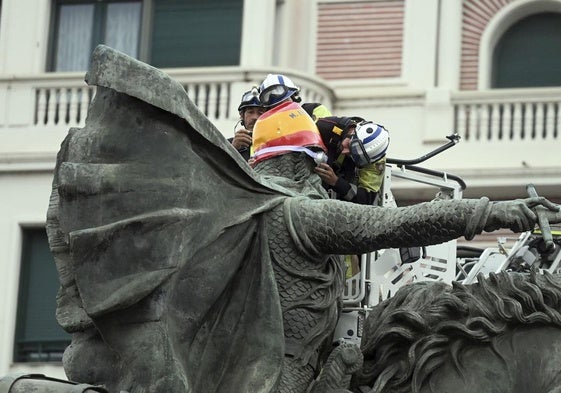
pixel 283 129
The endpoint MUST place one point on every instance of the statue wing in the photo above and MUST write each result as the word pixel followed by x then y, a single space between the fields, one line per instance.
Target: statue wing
pixel 152 208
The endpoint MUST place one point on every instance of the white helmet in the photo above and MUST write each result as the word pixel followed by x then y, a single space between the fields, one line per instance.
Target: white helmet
pixel 369 143
pixel 277 88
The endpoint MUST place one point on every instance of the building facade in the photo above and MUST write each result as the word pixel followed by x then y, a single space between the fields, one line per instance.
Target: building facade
pixel 487 70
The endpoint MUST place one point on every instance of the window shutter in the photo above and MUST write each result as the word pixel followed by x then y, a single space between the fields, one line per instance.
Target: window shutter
pixel 38 334
pixel 196 33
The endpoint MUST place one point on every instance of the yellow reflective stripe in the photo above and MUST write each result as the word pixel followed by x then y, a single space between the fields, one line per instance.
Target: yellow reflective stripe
pixel 320 111
pixel 337 130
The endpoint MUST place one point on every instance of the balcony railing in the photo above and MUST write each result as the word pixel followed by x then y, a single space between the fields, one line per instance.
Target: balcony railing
pixel 61 105
pixel 63 99
pixel 508 115
pixel 496 115
pixel 519 125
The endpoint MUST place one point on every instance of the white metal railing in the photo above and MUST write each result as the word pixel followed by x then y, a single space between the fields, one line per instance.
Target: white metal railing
pixel 508 115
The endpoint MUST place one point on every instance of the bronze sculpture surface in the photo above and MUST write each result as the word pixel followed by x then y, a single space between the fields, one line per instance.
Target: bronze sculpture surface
pixel 183 270
pixel 500 334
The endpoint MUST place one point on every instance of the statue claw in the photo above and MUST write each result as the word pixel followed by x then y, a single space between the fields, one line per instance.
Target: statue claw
pixel 335 376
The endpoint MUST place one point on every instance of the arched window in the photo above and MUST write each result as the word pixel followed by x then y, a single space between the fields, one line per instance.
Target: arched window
pixel 529 53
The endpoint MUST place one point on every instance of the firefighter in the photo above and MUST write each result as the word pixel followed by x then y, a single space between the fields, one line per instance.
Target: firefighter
pixel 250 109
pixel 356 158
pixel 346 179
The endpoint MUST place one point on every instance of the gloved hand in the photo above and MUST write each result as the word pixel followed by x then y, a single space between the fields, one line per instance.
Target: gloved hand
pixel 519 215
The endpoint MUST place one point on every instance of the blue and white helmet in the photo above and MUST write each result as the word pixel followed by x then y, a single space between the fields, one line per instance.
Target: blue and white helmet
pixel 275 89
pixel 369 143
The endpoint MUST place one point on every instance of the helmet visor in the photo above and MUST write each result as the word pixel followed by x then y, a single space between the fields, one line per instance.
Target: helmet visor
pixel 272 95
pixel 250 98
pixel 358 152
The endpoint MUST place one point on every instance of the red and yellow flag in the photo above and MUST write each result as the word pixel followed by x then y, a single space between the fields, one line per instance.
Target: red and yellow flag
pixel 286 125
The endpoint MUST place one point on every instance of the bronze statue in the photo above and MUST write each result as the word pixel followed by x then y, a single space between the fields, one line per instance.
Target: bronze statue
pixel 184 270
pixel 501 334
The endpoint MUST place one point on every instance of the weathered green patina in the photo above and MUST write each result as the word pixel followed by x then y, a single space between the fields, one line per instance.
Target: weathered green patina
pixel 183 270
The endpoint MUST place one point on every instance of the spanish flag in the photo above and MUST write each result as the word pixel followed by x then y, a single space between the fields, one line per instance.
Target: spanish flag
pixel 283 129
